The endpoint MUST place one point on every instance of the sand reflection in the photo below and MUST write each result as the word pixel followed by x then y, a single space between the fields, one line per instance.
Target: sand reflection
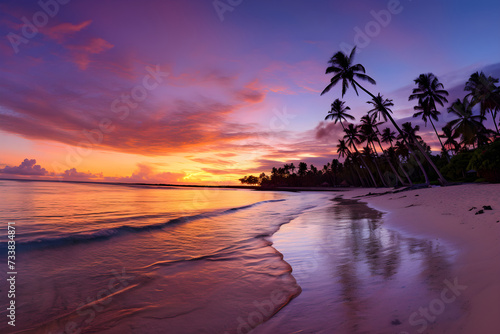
pixel 356 275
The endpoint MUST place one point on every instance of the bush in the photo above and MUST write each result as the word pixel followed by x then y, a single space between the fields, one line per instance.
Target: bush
pixel 458 167
pixel 486 161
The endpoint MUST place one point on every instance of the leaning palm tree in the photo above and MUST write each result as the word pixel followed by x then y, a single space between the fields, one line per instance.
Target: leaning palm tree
pixel 370 134
pixel 429 92
pixel 388 136
pixel 409 134
pixel 352 138
pixel 467 125
pixel 427 113
pixel 344 70
pixel 381 110
pixel 371 130
pixel 483 91
pixel 338 113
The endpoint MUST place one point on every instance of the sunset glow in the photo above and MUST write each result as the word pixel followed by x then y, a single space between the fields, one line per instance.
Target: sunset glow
pixel 185 92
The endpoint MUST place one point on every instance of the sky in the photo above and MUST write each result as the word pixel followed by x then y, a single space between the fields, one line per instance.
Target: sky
pixel 205 92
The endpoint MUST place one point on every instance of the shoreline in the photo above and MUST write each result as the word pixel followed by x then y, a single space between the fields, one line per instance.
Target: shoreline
pixel 454 215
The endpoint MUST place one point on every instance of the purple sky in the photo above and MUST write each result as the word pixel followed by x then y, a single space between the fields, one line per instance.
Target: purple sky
pixel 236 89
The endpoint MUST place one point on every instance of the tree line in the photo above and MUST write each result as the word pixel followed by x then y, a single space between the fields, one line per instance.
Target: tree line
pixel 376 155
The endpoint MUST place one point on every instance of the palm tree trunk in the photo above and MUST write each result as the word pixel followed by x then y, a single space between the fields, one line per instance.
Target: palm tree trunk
pixel 439 138
pixel 405 173
pixel 366 166
pixel 427 182
pixel 361 180
pixel 377 166
pixel 494 116
pixel 364 163
pixel 441 178
pixel 390 163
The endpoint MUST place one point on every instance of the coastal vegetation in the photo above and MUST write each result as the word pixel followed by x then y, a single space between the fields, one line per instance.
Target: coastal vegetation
pixel 379 152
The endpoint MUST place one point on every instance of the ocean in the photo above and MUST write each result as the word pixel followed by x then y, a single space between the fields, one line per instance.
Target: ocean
pixel 107 258
pixel 101 258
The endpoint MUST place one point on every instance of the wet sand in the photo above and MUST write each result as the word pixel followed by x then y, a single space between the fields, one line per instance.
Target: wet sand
pixel 410 262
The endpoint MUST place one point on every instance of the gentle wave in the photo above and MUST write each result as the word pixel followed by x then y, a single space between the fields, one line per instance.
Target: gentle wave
pixel 116 231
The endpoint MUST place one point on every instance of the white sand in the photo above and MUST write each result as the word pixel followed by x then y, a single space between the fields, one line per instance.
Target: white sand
pixel 442 213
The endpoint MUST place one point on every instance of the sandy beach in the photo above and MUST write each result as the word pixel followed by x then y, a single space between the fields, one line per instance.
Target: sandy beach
pixel 452 214
pixel 418 261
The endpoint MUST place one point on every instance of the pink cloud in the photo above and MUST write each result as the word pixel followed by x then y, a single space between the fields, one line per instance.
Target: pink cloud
pixel 27 168
pixel 147 174
pixel 61 31
pixel 82 53
pixel 73 175
pixel 328 131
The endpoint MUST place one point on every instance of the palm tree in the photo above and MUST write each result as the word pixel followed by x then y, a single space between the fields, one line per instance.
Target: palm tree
pixel 286 169
pixel 450 137
pixel 343 151
pixel 467 125
pixel 370 122
pixel 335 167
pixel 425 112
pixel 410 135
pixel 483 91
pixel 381 107
pixel 429 91
pixel 368 133
pixel 292 167
pixel 302 168
pixel 388 136
pixel 341 66
pixel 352 138
pixel 338 112
pixel 343 69
pixel 381 110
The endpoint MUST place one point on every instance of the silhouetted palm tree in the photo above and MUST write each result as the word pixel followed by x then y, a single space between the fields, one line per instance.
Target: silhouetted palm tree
pixel 467 125
pixel 427 113
pixel 409 133
pixel 352 138
pixel 302 168
pixel 483 91
pixel 338 112
pixel 343 151
pixel 341 65
pixel 292 167
pixel 381 110
pixel 381 107
pixel 450 137
pixel 343 69
pixel 429 92
pixel 388 136
pixel 370 134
